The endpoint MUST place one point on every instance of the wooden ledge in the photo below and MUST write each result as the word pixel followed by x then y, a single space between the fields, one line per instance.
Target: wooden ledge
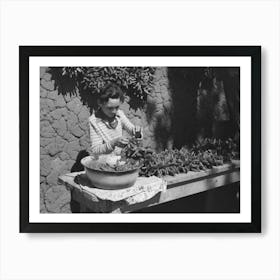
pixel 178 186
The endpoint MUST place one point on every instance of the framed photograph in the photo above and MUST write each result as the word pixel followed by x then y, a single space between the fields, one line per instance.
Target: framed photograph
pixel 139 139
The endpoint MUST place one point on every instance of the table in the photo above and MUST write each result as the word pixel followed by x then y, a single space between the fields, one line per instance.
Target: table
pixel 178 186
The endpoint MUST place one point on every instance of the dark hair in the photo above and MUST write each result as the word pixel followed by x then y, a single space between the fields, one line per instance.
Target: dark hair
pixel 110 90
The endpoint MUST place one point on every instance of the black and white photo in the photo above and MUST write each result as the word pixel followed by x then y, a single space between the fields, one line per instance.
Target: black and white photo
pixel 145 132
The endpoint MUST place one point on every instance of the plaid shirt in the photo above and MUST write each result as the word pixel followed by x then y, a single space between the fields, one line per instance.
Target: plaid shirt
pixel 101 133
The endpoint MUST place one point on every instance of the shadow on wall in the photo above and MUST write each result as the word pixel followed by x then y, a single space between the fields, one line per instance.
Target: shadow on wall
pixel 178 126
pixel 163 135
pixel 192 121
pixel 161 122
pixel 67 85
pixel 174 123
pixel 231 81
pixel 183 83
pixel 217 103
pixel 64 84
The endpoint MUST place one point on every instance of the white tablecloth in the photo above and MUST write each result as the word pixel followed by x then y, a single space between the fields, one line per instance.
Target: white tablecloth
pixel 143 189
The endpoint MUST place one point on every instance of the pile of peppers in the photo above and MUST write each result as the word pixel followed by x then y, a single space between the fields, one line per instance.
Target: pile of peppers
pixel 201 156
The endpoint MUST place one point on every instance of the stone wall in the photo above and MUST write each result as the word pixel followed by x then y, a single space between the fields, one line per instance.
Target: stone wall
pixel 64 132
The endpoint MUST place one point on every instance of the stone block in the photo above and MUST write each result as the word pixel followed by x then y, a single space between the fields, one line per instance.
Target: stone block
pixel 83 114
pixel 58 165
pixel 46 103
pixel 75 105
pixel 53 95
pixel 43 92
pixel 49 85
pixel 165 95
pixel 158 104
pixel 70 163
pixel 52 178
pixel 45 141
pixel 163 81
pixel 72 119
pixel 45 115
pixel 60 102
pixel 84 125
pixel 60 126
pixel 69 137
pixel 64 156
pixel 59 113
pixel 76 131
pixel 43 103
pixel 43 151
pixel 73 155
pixel 52 149
pixel 43 208
pixel 42 202
pixel 43 70
pixel 44 187
pixel 60 142
pixel 51 105
pixel 56 198
pixel 66 208
pixel 46 76
pixel 45 165
pixel 72 146
pixel 157 89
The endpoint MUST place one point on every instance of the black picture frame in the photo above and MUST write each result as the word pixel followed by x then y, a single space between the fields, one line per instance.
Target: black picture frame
pixel 25 52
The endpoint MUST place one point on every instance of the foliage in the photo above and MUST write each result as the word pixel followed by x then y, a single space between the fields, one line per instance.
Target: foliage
pixel 202 156
pixel 136 82
pixel 229 149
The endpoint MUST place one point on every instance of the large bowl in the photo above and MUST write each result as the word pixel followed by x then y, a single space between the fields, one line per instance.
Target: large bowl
pixel 110 180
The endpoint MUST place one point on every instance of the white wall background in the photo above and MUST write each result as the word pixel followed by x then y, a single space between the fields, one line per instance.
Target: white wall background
pixel 139 256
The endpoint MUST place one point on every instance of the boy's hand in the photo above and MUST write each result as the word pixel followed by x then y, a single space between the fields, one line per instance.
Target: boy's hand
pixel 120 142
pixel 137 132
